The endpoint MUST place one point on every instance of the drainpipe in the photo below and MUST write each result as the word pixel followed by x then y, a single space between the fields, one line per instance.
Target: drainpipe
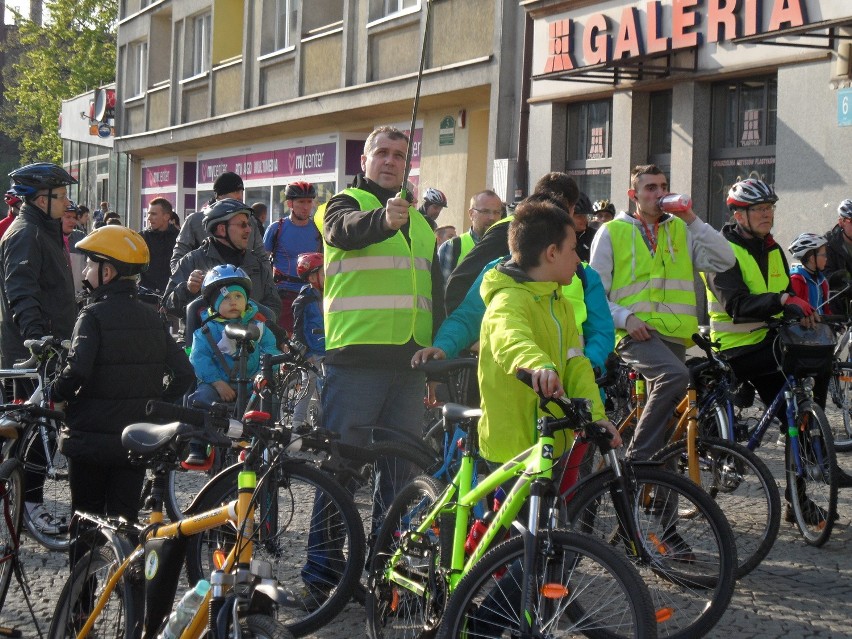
pixel 522 165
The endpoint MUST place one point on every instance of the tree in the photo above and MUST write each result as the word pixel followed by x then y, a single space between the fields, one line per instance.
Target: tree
pixel 72 53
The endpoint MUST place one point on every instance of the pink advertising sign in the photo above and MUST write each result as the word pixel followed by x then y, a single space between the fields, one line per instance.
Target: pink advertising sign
pixel 156 177
pixel 290 162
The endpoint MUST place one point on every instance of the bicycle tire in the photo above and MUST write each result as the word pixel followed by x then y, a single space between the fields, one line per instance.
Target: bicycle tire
pixel 11 505
pixel 263 627
pixel 391 611
pixel 840 394
pixel 743 487
pixel 818 487
pixel 56 490
pixel 689 593
pixel 286 544
pixel 123 613
pixel 183 485
pixel 605 596
pixel 713 422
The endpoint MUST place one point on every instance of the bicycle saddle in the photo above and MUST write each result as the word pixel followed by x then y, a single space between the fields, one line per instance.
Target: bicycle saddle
pixel 145 438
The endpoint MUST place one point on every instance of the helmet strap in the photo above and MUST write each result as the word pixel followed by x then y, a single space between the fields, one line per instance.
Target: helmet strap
pixel 846 235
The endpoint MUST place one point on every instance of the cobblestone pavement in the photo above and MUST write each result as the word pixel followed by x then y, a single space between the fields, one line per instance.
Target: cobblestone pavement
pixel 798 591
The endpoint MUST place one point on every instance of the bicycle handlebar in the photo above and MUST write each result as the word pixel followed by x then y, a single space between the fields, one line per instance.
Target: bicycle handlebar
pixel 35 410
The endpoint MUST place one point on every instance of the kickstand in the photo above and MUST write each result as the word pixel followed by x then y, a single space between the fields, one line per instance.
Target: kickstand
pixel 21 578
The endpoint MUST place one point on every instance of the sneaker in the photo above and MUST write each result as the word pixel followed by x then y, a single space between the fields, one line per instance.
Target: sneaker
pixel 43 521
pixel 675 548
pixel 197 455
pixel 814 515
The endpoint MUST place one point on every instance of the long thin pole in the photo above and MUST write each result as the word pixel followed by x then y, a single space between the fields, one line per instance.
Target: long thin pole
pixel 416 101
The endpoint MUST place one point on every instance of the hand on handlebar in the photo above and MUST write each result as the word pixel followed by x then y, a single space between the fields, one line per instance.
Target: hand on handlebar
pixel 425 354
pixel 546 382
pixel 615 442
pixel 801 307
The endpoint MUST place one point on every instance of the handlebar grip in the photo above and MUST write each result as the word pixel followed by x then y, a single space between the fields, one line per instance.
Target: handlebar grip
pixel 47 413
pixel 173 412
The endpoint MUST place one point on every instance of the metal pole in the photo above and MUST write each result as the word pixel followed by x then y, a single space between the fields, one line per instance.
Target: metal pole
pixel 416 101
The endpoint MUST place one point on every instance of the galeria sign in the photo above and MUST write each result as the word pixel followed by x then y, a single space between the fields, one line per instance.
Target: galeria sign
pixel 599 39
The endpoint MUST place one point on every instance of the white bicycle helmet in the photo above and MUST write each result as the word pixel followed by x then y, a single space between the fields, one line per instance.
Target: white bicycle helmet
pixel 434 196
pixel 749 192
pixel 805 243
pixel 845 209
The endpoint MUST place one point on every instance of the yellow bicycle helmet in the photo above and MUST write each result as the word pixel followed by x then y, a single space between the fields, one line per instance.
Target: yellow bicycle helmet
pixel 122 247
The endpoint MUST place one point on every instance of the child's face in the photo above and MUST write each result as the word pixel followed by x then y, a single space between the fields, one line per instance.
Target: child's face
pixel 566 258
pixel 317 280
pixel 233 305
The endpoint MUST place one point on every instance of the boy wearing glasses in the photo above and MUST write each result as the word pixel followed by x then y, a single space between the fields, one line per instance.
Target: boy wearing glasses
pixel 486 207
pixel 230 227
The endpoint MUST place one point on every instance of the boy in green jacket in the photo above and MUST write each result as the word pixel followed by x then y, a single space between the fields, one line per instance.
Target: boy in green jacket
pixel 529 324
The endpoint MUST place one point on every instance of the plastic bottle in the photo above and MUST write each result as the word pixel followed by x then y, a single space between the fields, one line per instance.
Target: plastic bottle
pixel 481 525
pixel 185 611
pixel 675 203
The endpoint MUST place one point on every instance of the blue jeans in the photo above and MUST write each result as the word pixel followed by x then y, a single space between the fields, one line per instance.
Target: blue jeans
pixel 354 401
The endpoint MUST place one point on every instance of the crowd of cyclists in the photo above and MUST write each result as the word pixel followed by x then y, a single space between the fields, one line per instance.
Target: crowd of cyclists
pixel 364 282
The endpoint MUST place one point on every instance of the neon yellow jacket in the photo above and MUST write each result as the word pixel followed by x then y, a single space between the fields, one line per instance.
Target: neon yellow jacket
pixel 527 324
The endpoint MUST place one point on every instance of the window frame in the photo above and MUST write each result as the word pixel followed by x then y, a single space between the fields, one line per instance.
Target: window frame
pixel 201 44
pixel 137 63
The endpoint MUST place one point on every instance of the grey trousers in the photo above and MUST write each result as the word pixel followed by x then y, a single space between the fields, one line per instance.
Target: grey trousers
pixel 661 363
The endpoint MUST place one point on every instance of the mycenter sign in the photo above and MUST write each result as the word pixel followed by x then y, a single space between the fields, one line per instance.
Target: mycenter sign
pixel 647 29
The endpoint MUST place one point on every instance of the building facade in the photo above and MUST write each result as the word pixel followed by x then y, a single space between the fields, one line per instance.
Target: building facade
pixel 712 91
pixel 280 90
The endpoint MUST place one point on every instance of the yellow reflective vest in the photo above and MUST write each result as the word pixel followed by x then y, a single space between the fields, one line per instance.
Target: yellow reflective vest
pixel 659 289
pixel 467 243
pixel 722 327
pixel 576 295
pixel 382 293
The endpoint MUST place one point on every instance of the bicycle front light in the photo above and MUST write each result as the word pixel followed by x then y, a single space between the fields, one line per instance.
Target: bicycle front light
pixel 808 384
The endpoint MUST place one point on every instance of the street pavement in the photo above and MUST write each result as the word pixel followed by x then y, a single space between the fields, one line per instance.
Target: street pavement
pixel 798 590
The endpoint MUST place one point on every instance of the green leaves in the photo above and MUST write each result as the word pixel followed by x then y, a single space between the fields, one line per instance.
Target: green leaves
pixel 74 51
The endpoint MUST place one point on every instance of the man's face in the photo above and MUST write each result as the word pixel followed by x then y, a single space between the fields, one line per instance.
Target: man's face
pixel 158 218
pixel 54 205
pixel 649 190
pixel 757 220
pixel 433 211
pixel 567 258
pixel 69 222
pixel 238 229
pixel 486 210
pixel 385 162
pixel 301 208
pixel 581 221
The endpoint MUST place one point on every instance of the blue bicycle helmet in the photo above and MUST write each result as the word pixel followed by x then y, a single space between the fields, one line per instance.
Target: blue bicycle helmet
pixel 32 178
pixel 220 277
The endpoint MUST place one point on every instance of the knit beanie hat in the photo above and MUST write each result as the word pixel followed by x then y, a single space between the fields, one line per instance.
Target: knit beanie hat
pixel 223 292
pixel 228 182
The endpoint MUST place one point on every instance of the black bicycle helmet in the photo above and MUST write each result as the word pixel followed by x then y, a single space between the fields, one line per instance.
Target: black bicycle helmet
pixel 29 179
pixel 223 276
pixel 222 211
pixel 583 205
pixel 750 192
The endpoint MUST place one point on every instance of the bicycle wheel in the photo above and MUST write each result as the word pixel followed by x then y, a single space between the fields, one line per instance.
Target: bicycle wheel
pixel 386 468
pixel 813 493
pixel 183 485
pixel 262 627
pixel 744 489
pixel 316 555
pixel 49 468
pixel 713 421
pixel 11 505
pixel 840 394
pixel 687 555
pixel 394 611
pixel 123 613
pixel 580 588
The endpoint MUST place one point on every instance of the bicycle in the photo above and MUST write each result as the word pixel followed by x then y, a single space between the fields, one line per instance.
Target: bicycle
pixel 32 431
pixel 11 511
pixel 420 560
pixel 840 390
pixel 739 481
pixel 809 456
pixel 127 590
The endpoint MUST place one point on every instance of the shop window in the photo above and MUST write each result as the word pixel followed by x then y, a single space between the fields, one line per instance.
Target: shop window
pixel 660 130
pixel 589 147
pixel 743 129
pixel 278 26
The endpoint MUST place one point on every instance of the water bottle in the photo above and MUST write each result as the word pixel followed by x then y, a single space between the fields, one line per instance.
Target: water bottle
pixel 675 203
pixel 185 611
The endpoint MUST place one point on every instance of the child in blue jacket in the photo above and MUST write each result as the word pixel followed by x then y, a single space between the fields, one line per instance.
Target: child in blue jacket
pixel 308 326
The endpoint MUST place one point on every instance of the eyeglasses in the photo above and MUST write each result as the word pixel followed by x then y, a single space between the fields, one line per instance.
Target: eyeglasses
pixel 763 208
pixel 54 196
pixel 488 211
pixel 822 255
pixel 240 225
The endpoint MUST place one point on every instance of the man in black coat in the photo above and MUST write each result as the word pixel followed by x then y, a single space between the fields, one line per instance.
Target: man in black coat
pixel 160 236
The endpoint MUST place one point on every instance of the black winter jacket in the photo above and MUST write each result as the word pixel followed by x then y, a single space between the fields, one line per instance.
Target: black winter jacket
pixel 160 245
pixel 494 244
pixel 838 268
pixel 205 257
pixel 120 352
pixel 37 296
pixel 347 227
pixel 731 290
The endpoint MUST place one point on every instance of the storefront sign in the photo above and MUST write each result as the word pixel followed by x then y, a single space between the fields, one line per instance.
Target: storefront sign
pixel 844 107
pixel 290 162
pixel 663 25
pixel 156 177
